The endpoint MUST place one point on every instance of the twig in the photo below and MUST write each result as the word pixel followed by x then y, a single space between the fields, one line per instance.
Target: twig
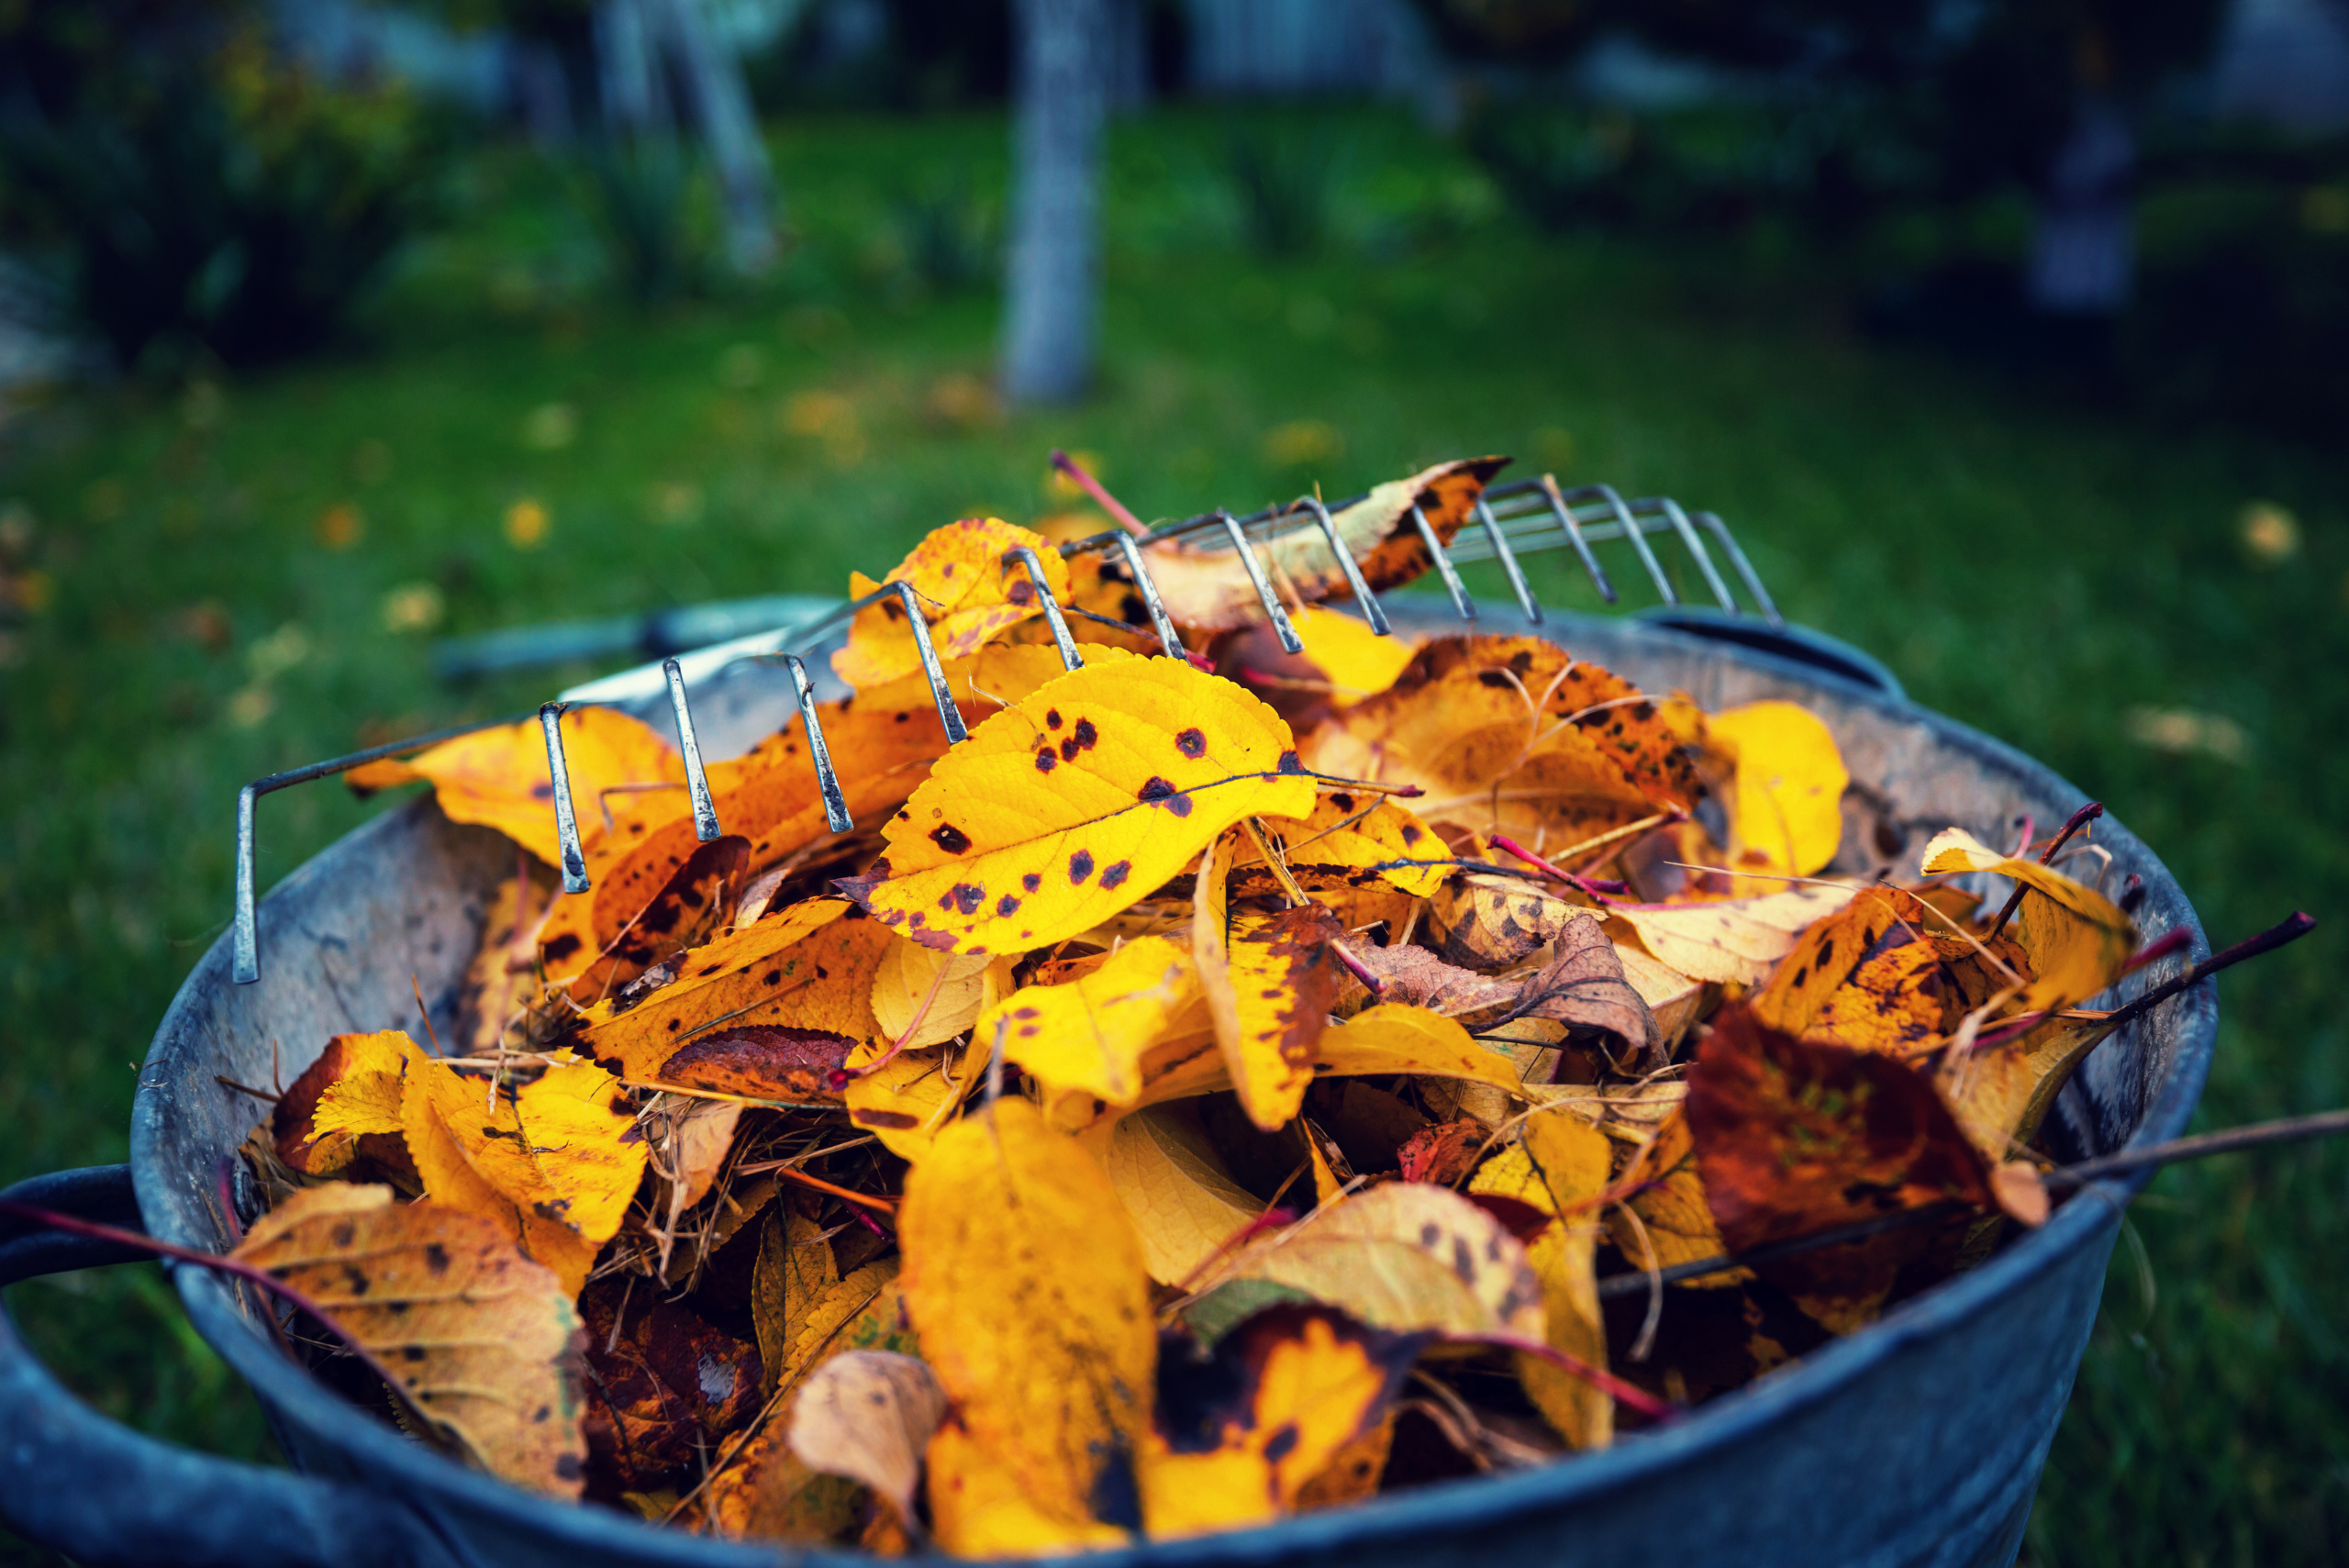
pixel 246 1089
pixel 887 1206
pixel 1581 885
pixel 1094 488
pixel 2080 818
pixel 2288 930
pixel 1606 1383
pixel 2292 1129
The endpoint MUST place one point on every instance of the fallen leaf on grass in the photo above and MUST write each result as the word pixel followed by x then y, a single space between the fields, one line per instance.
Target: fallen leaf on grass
pixel 1067 807
pixel 483 1341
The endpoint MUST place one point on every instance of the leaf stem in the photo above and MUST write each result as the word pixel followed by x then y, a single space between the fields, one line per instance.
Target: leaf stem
pixel 260 1278
pixel 1101 494
pixel 2080 820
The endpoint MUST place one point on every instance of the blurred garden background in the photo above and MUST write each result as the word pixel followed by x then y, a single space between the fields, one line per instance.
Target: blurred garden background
pixel 2012 335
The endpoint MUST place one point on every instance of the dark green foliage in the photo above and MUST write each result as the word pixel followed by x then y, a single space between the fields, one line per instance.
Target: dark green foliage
pixel 642 192
pixel 1287 179
pixel 199 197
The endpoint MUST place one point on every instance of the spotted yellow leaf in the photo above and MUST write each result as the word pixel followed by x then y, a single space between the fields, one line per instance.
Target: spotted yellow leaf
pixel 1270 982
pixel 1067 807
pixel 2078 942
pixel 969 593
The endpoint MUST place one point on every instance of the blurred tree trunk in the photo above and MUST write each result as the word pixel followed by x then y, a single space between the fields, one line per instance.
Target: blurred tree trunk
pixel 2084 243
pixel 1053 304
pixel 712 74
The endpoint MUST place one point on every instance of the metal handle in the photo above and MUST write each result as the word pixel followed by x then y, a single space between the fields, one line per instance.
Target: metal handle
pixel 110 1497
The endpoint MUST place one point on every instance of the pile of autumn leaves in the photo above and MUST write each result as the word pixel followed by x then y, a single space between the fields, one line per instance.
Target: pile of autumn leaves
pixel 1193 1098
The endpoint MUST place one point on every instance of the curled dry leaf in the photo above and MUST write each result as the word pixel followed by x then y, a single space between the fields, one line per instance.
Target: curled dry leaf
pixel 500 777
pixel 1827 951
pixel 343 1112
pixel 1202 589
pixel 1067 807
pixel 692 906
pixel 483 1341
pixel 2077 940
pixel 1029 1290
pixel 1242 1433
pixel 868 1415
pixel 761 1062
pixel 1483 921
pixel 969 596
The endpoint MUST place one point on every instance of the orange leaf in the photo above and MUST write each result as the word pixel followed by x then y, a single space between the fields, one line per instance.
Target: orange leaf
pixel 969 595
pixel 1270 982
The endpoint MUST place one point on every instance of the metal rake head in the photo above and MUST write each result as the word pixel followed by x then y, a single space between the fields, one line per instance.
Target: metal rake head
pixel 1512 519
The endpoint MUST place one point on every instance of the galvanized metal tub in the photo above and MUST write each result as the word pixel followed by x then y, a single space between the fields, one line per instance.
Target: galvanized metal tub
pixel 1919 1440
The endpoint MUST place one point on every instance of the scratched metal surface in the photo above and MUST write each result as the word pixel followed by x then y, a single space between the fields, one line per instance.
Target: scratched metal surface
pixel 1919 1440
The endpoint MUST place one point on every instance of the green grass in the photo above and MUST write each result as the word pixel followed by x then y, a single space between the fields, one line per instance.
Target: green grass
pixel 2029 566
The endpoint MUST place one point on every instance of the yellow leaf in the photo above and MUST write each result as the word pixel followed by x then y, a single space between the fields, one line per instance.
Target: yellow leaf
pixel 366 1097
pixel 1067 807
pixel 795 1268
pixel 970 594
pixel 1730 939
pixel 981 1504
pixel 1270 982
pixel 1355 831
pixel 1397 1038
pixel 1510 734
pixel 1563 1259
pixel 1673 1216
pixel 2000 1093
pixel 899 1102
pixel 1356 661
pixel 1829 950
pixel 1559 1163
pixel 1184 1207
pixel 1308 1383
pixel 1089 1036
pixel 1406 1256
pixel 483 1341
pixel 807 967
pixel 1787 800
pixel 500 777
pixel 770 1494
pixel 2078 942
pixel 1026 1285
pixel 965 987
pixel 547 1167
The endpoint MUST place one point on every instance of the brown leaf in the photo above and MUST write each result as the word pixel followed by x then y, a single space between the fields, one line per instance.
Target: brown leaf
pixel 692 906
pixel 662 1384
pixel 1486 922
pixel 868 1415
pixel 1415 976
pixel 1584 988
pixel 1793 1137
pixel 351 1155
pixel 1203 587
pixel 484 1342
pixel 762 1062
pixel 1270 982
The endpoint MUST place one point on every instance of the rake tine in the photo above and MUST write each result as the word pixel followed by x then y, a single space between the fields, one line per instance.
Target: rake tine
pixel 1273 611
pixel 245 968
pixel 836 817
pixel 1459 590
pixel 1130 547
pixel 1070 658
pixel 1711 523
pixel 566 824
pixel 696 781
pixel 940 692
pixel 1689 537
pixel 1371 609
pixel 1507 559
pixel 1565 516
pixel 1632 531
